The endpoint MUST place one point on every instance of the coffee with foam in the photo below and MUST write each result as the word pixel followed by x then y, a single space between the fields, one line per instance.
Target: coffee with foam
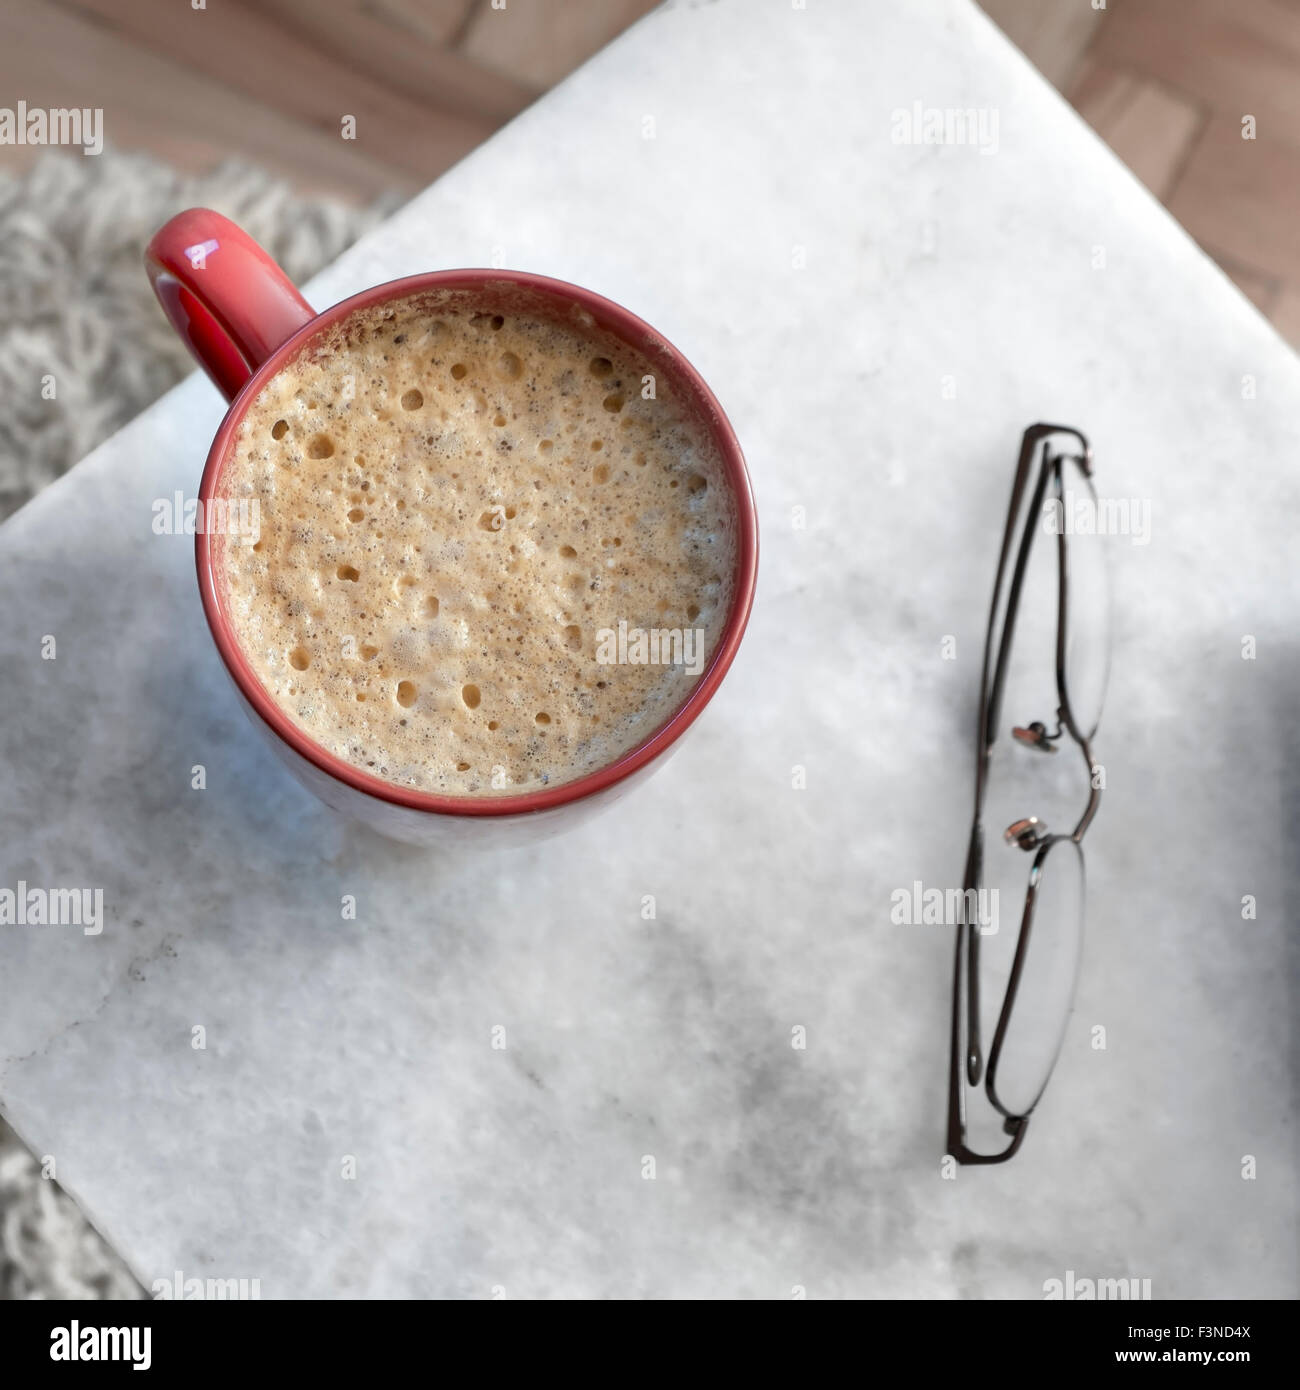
pixel 494 554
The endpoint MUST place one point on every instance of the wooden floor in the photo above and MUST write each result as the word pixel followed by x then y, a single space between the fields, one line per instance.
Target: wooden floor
pixel 271 80
pixel 1167 84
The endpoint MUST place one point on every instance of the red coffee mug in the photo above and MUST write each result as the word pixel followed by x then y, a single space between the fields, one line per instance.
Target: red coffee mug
pixel 244 321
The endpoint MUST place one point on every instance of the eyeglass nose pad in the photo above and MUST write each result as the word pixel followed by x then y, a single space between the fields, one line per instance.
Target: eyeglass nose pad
pixel 1035 736
pixel 1026 834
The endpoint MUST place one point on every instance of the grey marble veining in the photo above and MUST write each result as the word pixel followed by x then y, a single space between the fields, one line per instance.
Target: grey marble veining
pixel 827 281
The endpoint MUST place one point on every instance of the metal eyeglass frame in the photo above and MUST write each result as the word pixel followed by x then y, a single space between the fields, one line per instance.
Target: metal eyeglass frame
pixel 966 1062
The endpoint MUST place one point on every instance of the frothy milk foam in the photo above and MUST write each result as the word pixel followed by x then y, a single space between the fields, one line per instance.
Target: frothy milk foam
pixel 453 506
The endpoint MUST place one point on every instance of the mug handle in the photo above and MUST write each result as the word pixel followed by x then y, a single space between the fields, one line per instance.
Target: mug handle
pixel 229 301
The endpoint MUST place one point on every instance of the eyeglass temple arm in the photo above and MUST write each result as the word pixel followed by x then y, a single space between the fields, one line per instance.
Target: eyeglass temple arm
pixel 1042 431
pixel 967 1059
pixel 973 1061
pixel 1029 442
pixel 1016 1127
pixel 998 637
pixel 958 1149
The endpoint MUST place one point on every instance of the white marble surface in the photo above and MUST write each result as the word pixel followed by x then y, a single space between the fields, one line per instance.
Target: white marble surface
pixel 775 1168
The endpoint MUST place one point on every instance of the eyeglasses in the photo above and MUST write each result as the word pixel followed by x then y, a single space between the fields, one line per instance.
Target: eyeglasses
pixel 1052 491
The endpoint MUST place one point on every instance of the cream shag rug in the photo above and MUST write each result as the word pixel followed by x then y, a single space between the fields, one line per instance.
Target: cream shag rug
pixel 75 304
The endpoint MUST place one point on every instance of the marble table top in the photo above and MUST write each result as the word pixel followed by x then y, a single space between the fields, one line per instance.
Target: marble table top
pixel 500 1079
